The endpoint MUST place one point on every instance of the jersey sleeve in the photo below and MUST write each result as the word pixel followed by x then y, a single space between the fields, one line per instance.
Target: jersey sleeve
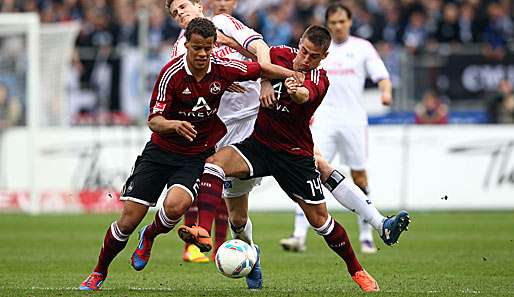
pixel 233 28
pixel 161 95
pixel 374 65
pixel 235 70
pixel 316 81
pixel 178 47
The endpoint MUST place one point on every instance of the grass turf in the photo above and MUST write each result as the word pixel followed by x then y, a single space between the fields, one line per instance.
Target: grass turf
pixel 443 254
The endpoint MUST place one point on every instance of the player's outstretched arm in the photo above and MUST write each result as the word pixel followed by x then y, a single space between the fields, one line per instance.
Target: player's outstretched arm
pixel 231 42
pixel 159 124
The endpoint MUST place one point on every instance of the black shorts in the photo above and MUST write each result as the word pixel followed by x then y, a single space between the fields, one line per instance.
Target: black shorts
pixel 156 168
pixel 296 175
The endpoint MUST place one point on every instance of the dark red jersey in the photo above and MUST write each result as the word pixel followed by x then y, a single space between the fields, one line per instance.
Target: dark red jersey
pixel 285 127
pixel 178 96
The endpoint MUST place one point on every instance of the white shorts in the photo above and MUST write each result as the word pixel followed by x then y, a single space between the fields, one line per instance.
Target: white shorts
pixel 350 141
pixel 238 131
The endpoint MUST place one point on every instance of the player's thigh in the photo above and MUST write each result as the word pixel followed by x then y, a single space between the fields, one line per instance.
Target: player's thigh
pixel 235 187
pixel 325 138
pixel 298 177
pixel 146 182
pixel 355 146
pixel 256 157
pixel 237 131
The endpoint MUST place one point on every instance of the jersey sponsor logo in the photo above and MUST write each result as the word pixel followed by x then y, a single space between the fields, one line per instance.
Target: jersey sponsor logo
pixel 186 92
pixel 281 107
pixel 201 103
pixel 223 52
pixel 215 88
pixel 159 107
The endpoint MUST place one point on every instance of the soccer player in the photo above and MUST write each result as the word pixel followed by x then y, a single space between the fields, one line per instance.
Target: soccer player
pixel 238 111
pixel 185 125
pixel 281 146
pixel 340 126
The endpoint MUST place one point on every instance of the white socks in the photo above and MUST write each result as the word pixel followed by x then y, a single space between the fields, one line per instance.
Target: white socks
pixel 301 225
pixel 351 197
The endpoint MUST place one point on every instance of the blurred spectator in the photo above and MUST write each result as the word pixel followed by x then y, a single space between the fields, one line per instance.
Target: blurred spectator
pixel 276 28
pixel 10 109
pixel 468 26
pixel 498 31
pixel 416 33
pixel 431 110
pixel 448 27
pixel 500 108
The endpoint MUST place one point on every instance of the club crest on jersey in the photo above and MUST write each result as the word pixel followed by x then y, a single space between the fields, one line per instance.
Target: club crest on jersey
pixel 215 88
pixel 159 107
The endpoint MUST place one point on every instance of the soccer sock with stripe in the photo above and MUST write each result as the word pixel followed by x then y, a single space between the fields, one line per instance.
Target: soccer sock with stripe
pixel 114 242
pixel 221 224
pixel 209 195
pixel 338 241
pixel 161 224
pixel 353 198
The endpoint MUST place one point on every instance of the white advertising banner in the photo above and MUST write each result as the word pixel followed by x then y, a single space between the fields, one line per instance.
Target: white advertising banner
pixel 412 167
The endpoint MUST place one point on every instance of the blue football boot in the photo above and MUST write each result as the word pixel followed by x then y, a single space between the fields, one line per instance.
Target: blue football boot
pixel 254 278
pixel 394 226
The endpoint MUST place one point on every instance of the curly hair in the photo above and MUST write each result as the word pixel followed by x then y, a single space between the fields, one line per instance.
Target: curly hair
pixel 201 26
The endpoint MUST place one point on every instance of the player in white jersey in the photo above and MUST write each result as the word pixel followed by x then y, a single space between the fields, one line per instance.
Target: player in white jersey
pixel 340 126
pixel 238 110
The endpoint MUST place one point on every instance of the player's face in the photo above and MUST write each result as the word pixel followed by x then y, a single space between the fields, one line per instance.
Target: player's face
pixel 223 6
pixel 183 11
pixel 199 51
pixel 309 56
pixel 339 25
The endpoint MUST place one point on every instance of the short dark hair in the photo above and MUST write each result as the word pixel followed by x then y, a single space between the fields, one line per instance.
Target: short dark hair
pixel 167 4
pixel 334 7
pixel 319 36
pixel 202 27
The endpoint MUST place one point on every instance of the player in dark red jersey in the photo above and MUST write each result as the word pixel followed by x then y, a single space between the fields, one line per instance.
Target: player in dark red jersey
pixel 185 128
pixel 281 146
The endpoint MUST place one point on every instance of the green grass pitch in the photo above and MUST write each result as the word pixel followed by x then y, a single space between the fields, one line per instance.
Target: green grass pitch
pixel 443 254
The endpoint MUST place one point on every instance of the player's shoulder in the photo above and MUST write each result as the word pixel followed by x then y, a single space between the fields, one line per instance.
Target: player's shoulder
pixel 361 42
pixel 284 49
pixel 172 67
pixel 228 64
pixel 222 20
pixel 317 75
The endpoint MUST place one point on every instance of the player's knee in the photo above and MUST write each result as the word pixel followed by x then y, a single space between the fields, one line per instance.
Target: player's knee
pixel 127 225
pixel 326 227
pixel 175 209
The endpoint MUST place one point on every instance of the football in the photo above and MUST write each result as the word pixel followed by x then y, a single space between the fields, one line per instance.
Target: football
pixel 235 258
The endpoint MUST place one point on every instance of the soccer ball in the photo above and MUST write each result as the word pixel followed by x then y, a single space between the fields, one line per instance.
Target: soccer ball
pixel 235 258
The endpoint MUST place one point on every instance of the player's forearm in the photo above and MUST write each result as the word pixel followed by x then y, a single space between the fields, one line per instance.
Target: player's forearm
pixel 301 95
pixel 272 71
pixel 159 124
pixel 225 40
pixel 386 90
pixel 261 50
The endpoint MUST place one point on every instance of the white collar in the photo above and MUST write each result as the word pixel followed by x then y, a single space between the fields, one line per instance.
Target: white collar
pixel 188 71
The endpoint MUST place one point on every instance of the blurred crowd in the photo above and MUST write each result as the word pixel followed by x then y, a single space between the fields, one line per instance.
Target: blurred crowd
pixel 109 26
